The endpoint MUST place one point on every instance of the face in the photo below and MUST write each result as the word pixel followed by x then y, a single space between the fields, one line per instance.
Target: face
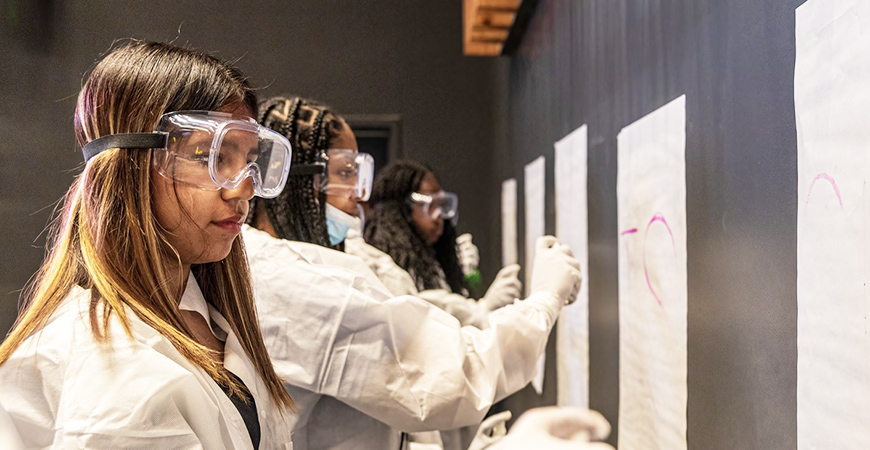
pixel 201 224
pixel 340 170
pixel 428 227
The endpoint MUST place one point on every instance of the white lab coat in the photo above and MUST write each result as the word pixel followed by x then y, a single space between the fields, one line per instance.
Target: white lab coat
pixel 468 311
pixel 363 365
pixel 398 281
pixel 63 390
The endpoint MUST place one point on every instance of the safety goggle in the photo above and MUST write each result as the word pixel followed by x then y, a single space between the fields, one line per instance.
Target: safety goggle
pixel 344 173
pixel 210 150
pixel 440 204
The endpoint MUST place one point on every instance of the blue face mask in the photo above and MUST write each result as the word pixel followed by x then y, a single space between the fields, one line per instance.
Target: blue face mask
pixel 338 223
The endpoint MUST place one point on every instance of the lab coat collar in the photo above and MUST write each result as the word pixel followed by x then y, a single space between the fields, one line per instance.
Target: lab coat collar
pixel 235 357
pixel 193 300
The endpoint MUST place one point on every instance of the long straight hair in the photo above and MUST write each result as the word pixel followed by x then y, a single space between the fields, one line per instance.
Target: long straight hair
pixel 106 238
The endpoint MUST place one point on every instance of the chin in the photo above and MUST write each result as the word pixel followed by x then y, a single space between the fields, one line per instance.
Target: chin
pixel 215 253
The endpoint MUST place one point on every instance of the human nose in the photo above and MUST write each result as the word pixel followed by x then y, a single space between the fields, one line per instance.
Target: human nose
pixel 244 191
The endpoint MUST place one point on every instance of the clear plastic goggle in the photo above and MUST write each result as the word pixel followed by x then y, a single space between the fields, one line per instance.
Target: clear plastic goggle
pixel 344 173
pixel 440 204
pixel 210 150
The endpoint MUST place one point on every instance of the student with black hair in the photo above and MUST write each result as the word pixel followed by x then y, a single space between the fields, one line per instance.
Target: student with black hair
pixel 364 366
pixel 412 221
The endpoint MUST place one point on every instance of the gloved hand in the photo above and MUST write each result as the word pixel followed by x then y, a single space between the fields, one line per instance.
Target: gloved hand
pixel 506 288
pixel 556 428
pixel 555 270
pixel 468 253
pixel 490 431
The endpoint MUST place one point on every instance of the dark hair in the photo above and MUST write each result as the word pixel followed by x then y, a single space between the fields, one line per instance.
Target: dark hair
pixel 298 213
pixel 390 228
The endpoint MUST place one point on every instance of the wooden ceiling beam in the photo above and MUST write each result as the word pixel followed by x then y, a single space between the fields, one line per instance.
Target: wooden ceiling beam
pixel 486 25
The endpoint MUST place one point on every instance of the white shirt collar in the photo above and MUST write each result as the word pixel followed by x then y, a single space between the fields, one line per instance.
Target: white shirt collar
pixel 235 359
pixel 193 300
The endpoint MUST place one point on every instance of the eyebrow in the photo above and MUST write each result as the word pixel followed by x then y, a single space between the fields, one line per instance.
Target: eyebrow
pixel 234 145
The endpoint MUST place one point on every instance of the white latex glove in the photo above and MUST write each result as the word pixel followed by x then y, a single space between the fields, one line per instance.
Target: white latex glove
pixel 556 428
pixel 468 253
pixel 506 288
pixel 490 431
pixel 555 270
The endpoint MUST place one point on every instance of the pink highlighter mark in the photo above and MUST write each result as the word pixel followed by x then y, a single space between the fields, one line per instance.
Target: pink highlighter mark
pixel 631 231
pixel 658 217
pixel 829 179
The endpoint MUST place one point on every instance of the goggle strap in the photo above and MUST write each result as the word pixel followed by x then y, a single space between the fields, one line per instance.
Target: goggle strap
pixel 308 169
pixel 126 141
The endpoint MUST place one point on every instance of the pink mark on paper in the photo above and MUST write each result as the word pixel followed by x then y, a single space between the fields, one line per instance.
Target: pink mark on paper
pixel 658 217
pixel 829 179
pixel 630 231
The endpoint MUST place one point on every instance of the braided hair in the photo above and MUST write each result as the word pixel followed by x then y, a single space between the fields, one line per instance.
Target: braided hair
pixel 299 213
pixel 390 228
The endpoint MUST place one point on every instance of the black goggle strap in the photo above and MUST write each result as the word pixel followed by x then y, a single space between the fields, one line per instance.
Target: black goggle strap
pixel 126 141
pixel 308 169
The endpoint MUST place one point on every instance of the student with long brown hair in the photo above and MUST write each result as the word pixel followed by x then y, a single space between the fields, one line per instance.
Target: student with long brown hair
pixel 139 330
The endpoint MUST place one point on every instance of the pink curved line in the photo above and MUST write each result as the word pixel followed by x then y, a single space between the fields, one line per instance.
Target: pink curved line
pixel 830 179
pixel 631 231
pixel 658 217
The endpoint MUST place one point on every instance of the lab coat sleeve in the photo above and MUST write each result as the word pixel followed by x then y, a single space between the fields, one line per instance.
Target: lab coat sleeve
pixel 101 399
pixel 397 280
pixel 400 360
pixel 468 311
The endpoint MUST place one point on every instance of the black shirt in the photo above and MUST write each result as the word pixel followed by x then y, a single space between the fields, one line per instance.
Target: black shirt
pixel 247 408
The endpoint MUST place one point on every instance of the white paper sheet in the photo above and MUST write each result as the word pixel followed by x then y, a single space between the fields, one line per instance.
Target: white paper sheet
pixel 832 95
pixel 572 342
pixel 535 198
pixel 651 202
pixel 509 222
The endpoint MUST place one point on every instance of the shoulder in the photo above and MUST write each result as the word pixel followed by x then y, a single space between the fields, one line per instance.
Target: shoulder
pixel 358 246
pixel 261 247
pixel 62 376
pixel 68 343
pixel 396 279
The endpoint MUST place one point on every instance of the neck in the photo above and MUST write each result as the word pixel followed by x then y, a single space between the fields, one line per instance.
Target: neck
pixel 262 222
pixel 177 279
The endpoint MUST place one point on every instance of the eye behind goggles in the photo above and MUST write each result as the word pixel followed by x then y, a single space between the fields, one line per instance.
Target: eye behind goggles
pixel 440 204
pixel 345 173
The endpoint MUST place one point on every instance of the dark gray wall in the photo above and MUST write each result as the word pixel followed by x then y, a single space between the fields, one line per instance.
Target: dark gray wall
pixel 607 63
pixel 362 57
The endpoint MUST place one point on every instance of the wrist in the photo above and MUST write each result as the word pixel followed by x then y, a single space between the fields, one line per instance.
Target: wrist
pixel 548 300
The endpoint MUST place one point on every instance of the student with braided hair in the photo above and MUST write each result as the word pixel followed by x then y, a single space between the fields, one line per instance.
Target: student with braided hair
pixel 366 367
pixel 313 127
pixel 320 136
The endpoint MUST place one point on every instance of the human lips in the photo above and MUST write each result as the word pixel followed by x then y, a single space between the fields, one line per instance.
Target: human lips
pixel 232 224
